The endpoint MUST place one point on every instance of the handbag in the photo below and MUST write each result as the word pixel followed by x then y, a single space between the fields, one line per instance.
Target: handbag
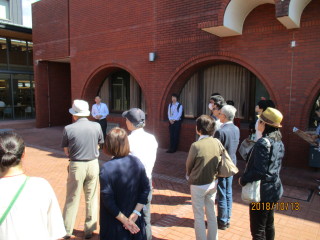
pixel 226 167
pixel 245 148
pixel 251 191
pixel 3 217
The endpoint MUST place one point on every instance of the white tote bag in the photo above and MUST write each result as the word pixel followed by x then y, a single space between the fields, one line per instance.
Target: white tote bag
pixel 251 191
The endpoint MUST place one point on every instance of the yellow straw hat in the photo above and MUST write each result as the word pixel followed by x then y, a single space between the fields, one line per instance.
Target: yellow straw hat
pixel 272 117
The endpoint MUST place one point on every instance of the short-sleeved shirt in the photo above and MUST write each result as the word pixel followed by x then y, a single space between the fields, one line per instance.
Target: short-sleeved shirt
pixel 144 146
pixel 82 138
pixel 36 213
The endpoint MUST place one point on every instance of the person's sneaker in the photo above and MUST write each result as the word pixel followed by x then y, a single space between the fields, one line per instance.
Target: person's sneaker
pixel 68 236
pixel 222 226
pixel 228 225
pixel 88 235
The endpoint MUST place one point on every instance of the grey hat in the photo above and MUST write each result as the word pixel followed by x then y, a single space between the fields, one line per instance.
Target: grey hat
pixel 135 116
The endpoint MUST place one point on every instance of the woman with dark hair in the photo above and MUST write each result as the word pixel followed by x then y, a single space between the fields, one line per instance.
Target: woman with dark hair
pixel 124 189
pixel 28 206
pixel 262 105
pixel 264 164
pixel 202 168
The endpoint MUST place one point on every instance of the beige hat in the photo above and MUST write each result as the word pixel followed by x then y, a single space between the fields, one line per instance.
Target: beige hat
pixel 272 117
pixel 80 108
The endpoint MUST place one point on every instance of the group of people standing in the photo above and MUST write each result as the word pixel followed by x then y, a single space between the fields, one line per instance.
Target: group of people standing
pixel 263 164
pixel 126 179
pixel 31 210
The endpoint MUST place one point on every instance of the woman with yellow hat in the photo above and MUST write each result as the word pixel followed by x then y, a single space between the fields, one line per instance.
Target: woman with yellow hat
pixel 264 164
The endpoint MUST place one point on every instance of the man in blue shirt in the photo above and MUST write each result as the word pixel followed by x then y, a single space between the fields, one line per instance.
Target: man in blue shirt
pixel 100 112
pixel 175 110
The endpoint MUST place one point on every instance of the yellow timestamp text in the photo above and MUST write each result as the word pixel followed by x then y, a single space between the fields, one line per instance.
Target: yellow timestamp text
pixel 278 206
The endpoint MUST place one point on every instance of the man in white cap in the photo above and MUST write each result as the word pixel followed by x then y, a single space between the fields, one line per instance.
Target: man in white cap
pixel 80 142
pixel 144 146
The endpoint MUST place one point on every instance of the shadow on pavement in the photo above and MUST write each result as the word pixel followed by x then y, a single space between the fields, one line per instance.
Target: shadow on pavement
pixel 168 200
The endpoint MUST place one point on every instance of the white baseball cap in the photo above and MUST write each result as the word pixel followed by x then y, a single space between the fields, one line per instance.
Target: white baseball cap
pixel 80 108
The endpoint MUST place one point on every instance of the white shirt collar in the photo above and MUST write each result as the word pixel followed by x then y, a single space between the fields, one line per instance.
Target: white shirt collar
pixel 203 136
pixel 229 122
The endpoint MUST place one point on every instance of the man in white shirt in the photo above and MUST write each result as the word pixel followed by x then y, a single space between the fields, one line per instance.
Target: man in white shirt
pixel 144 146
pixel 175 111
pixel 100 111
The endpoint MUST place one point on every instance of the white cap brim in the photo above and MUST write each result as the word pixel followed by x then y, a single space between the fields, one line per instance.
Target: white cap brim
pixel 79 114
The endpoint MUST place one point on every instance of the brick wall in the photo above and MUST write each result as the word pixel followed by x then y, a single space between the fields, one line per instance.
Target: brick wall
pixel 109 35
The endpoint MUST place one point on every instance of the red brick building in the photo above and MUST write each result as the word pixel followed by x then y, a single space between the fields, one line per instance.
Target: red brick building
pixel 243 49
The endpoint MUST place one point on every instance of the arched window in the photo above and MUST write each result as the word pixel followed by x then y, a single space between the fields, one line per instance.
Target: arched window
pixel 232 81
pixel 314 119
pixel 121 92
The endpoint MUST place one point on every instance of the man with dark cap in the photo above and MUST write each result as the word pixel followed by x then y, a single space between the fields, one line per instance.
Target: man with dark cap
pixel 144 146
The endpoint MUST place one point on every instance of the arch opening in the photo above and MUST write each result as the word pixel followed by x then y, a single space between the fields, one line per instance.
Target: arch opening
pixel 314 119
pixel 117 87
pixel 122 91
pixel 231 80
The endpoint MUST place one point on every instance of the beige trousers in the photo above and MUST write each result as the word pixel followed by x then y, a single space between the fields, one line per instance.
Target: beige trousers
pixel 82 175
pixel 203 202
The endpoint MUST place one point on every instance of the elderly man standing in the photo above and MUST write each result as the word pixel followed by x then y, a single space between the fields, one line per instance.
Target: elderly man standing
pixel 228 135
pixel 80 142
pixel 144 146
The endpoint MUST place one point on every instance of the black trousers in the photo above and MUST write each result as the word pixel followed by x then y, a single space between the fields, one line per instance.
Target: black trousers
pixel 174 135
pixel 103 124
pixel 261 223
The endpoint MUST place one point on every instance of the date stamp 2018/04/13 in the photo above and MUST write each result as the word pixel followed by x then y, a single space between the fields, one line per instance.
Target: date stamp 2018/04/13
pixel 278 206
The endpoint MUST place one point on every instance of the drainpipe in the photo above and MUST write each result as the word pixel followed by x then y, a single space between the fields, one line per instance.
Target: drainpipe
pixel 49 107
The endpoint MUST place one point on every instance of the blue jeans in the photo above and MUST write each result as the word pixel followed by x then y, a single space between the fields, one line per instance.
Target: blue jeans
pixel 224 199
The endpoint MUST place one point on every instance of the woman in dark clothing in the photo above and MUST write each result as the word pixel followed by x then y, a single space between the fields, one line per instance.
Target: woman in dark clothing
pixel 264 164
pixel 124 189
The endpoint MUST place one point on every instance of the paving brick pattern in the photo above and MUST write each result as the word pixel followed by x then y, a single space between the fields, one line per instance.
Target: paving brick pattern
pixel 172 216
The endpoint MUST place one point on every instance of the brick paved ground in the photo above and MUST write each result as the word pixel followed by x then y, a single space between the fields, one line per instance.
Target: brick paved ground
pixel 172 216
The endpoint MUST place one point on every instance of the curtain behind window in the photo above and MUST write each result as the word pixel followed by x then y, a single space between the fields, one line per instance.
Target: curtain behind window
pixel 189 96
pixel 137 99
pixel 134 93
pixel 104 92
pixel 232 82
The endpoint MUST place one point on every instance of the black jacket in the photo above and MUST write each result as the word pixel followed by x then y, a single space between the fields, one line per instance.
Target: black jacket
pixel 265 165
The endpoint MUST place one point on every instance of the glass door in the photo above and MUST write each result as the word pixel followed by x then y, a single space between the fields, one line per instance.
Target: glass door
pixel 23 92
pixel 6 98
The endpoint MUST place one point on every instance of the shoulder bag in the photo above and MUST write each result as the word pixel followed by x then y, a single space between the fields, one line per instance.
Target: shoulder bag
pixel 3 217
pixel 226 166
pixel 245 148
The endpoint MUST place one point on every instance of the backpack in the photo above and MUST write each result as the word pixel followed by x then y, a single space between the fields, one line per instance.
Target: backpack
pixel 182 114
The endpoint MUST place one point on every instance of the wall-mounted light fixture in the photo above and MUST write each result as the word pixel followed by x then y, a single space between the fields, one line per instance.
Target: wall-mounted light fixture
pixel 152 56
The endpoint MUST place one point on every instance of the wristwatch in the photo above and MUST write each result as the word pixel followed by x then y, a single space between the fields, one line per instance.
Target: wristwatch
pixel 136 212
